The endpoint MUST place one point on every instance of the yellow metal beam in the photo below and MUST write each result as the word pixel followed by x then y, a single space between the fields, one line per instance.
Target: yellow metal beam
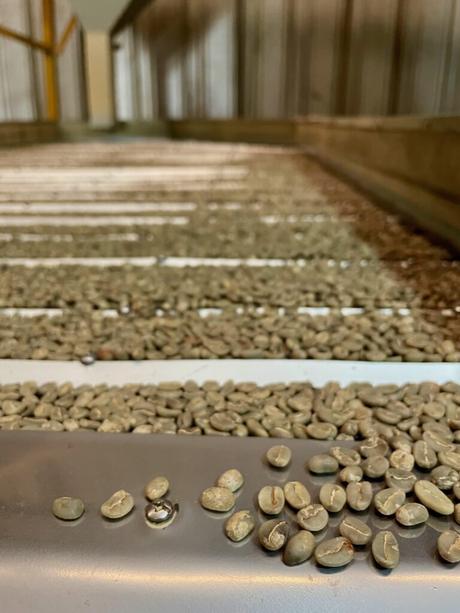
pixel 51 85
pixel 24 39
pixel 70 27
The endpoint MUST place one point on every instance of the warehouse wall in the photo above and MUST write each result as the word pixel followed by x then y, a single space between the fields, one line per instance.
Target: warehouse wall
pixel 22 94
pixel 280 58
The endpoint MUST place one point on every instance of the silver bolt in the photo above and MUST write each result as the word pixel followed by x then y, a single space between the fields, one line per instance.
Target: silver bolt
pixel 160 513
pixel 124 309
pixel 87 360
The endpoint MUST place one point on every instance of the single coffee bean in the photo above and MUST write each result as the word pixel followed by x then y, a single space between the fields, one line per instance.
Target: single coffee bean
pixel 271 499
pixel 359 495
pixel 375 466
pixel 322 431
pixel 351 474
pixel 332 497
pixel 449 546
pixel 402 459
pixel 334 552
pixel 323 464
pixel 432 497
pixel 388 501
pixel 156 488
pixel 385 549
pixel 401 479
pixel 297 495
pixel 239 525
pixel 450 458
pixel 424 455
pixel 345 456
pixel 444 477
pixel 355 530
pixel 68 508
pixel 219 499
pixel 437 441
pixel 232 479
pixel 273 534
pixel 313 517
pixel 222 422
pixel 373 446
pixel 299 548
pixel 118 505
pixel 279 456
pixel 412 514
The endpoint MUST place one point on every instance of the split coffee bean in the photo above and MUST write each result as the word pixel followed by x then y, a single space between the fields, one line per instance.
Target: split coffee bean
pixel 297 495
pixel 68 508
pixel 444 477
pixel 239 525
pixel 156 488
pixel 388 501
pixel 351 474
pixel 232 479
pixel 314 517
pixel 401 479
pixel 355 530
pixel 375 466
pixel 412 514
pixel 345 456
pixel 332 497
pixel 323 464
pixel 432 497
pixel 359 495
pixel 219 499
pixel 271 499
pixel 273 534
pixel 449 546
pixel 334 552
pixel 279 456
pixel 385 549
pixel 299 548
pixel 118 505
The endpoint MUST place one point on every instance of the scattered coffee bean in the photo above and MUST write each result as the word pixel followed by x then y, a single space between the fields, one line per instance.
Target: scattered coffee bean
pixel 332 497
pixel 424 455
pixel 450 458
pixel 375 466
pixel 388 501
pixel 401 479
pixel 299 548
pixel 359 495
pixel 68 508
pixel 219 499
pixel 373 446
pixel 297 495
pixel 334 552
pixel 345 456
pixel 449 546
pixel 271 500
pixel 412 514
pixel 273 534
pixel 355 530
pixel 279 456
pixel 313 517
pixel 323 464
pixel 118 505
pixel 156 488
pixel 444 477
pixel 432 497
pixel 232 479
pixel 402 459
pixel 239 525
pixel 385 549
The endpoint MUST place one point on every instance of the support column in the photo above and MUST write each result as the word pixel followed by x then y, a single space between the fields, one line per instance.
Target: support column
pixel 99 78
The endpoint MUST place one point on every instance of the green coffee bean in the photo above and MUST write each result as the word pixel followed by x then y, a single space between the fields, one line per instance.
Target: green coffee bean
pixel 299 548
pixel 296 494
pixel 359 495
pixel 432 497
pixel 273 534
pixel 232 479
pixel 239 525
pixel 156 488
pixel 424 455
pixel 412 514
pixel 385 549
pixel 118 505
pixel 375 466
pixel 345 456
pixel 449 546
pixel 444 477
pixel 68 508
pixel 219 499
pixel 388 501
pixel 271 499
pixel 402 459
pixel 313 517
pixel 323 464
pixel 332 497
pixel 334 552
pixel 279 456
pixel 401 479
pixel 355 530
pixel 351 474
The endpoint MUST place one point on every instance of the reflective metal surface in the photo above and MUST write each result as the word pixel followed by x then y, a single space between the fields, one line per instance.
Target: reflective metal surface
pixel 95 565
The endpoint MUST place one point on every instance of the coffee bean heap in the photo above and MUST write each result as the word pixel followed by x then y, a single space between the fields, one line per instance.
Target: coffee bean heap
pixel 419 420
pixel 289 520
pixel 369 336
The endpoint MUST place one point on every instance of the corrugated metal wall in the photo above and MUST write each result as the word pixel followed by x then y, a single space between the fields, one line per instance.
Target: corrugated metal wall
pixel 279 58
pixel 22 94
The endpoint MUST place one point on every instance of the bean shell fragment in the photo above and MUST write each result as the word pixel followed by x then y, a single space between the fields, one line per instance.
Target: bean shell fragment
pixel 219 499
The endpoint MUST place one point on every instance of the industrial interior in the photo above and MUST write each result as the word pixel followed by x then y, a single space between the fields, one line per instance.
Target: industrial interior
pixel 229 305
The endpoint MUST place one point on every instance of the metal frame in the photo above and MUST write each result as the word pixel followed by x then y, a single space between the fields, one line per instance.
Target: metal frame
pixel 51 48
